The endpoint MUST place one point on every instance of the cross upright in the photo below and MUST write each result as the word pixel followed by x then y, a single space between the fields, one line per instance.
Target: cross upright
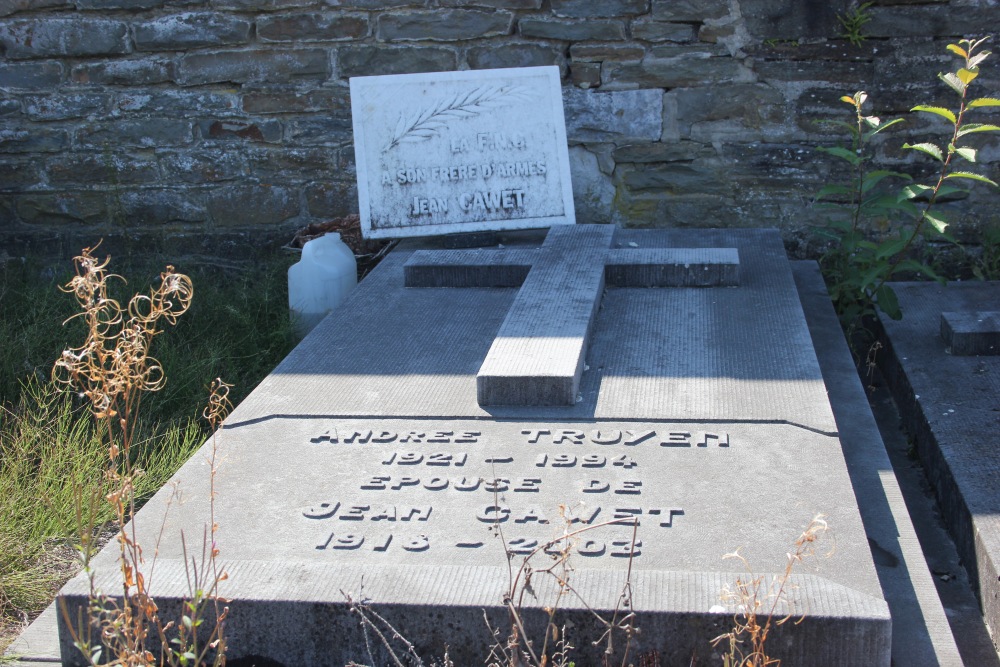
pixel 538 354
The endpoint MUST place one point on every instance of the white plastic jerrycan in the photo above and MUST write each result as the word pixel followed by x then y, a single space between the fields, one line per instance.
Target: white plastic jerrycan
pixel 319 281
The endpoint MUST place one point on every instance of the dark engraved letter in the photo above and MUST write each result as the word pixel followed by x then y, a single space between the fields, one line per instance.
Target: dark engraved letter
pixel 324 511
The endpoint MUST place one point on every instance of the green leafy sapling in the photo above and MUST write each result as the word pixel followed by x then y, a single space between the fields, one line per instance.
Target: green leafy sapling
pixel 858 268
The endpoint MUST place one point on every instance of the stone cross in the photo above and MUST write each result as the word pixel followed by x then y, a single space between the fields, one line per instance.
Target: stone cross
pixel 537 357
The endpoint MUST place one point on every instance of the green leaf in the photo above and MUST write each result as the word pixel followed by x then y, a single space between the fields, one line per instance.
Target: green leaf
pixel 871 179
pixel 967 153
pixel 842 153
pixel 914 190
pixel 969 128
pixel 872 276
pixel 972 177
pixel 953 82
pixel 936 221
pixel 890 248
pixel 958 50
pixel 978 58
pixel 916 267
pixel 928 148
pixel 937 111
pixel 884 126
pixel 186 620
pixel 947 190
pixel 828 190
pixel 983 102
pixel 967 76
pixel 887 302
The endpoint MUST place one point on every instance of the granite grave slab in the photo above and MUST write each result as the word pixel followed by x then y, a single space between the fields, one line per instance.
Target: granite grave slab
pixel 448 152
pixel 366 464
pixel 941 365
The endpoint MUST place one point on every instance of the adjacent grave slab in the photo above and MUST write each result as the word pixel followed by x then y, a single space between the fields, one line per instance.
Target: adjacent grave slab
pixel 951 406
pixel 365 464
pixel 461 151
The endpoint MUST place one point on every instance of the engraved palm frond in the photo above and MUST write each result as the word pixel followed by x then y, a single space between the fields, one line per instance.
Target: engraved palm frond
pixel 429 122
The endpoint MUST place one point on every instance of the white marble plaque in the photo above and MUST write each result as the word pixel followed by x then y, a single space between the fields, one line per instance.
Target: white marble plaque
pixel 450 152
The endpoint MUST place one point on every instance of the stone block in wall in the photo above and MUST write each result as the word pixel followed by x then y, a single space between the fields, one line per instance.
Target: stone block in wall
pixel 607 52
pixel 752 105
pixel 572 31
pixel 260 5
pixel 374 60
pixel 189 30
pixel 264 131
pixel 118 4
pixel 162 207
pixel 203 166
pixel 255 66
pixel 35 140
pixel 705 177
pixel 126 72
pixel 443 25
pixel 825 51
pixel 18 173
pixel 105 168
pixel 663 31
pixel 780 166
pixel 613 117
pixel 8 7
pixel 585 75
pixel 593 191
pixel 312 27
pixel 515 55
pixel 252 204
pixel 280 163
pixel 331 199
pixel 849 73
pixel 318 130
pixel 46 37
pixel 663 151
pixel 30 76
pixel 696 68
pixel 375 4
pixel 65 106
pixel 9 107
pixel 289 100
pixel 583 9
pixel 87 207
pixel 932 21
pixel 182 102
pixel 140 132
pixel 495 4
pixel 691 11
pixel 799 20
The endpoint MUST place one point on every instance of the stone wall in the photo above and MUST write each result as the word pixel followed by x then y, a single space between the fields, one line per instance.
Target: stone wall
pixel 170 119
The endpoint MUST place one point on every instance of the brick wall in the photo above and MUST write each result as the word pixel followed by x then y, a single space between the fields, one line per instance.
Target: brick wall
pixel 204 125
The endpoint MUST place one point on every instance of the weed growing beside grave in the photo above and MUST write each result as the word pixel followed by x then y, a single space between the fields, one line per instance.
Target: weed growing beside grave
pixel 858 268
pixel 762 604
pixel 112 370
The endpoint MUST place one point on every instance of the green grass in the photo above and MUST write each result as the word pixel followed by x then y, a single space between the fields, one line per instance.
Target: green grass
pixel 53 457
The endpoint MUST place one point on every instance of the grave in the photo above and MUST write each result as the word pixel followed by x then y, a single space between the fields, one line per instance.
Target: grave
pixel 941 365
pixel 653 392
pixel 366 464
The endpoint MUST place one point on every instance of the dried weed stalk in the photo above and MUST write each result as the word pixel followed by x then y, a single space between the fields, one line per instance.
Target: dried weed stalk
pixel 554 649
pixel 757 600
pixel 111 371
